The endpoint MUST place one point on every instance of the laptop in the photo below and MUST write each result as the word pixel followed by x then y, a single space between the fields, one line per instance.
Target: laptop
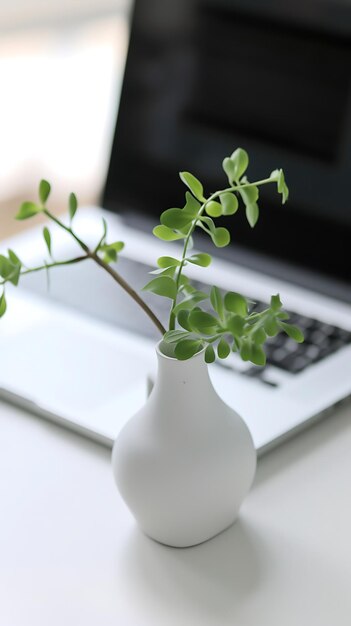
pixel 203 77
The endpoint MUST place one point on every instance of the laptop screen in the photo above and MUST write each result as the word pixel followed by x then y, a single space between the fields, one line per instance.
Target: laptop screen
pixel 203 77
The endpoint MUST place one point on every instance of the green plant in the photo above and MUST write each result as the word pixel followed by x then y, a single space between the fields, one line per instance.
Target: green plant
pixel 224 322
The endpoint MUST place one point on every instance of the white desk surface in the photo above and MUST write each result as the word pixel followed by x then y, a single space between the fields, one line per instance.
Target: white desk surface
pixel 70 553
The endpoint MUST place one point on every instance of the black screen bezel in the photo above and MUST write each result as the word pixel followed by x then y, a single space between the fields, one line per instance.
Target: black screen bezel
pixel 310 241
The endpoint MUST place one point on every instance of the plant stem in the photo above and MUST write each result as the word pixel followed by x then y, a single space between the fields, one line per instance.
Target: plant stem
pixel 109 270
pixel 47 266
pixel 89 254
pixel 215 195
pixel 131 292
pixel 68 229
pixel 78 259
pixel 117 277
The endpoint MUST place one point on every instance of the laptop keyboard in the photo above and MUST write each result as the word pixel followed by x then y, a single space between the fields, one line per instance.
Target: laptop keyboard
pixel 321 340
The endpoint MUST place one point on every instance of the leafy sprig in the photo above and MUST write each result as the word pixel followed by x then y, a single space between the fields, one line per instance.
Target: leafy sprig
pixel 104 253
pixel 219 323
pixel 230 326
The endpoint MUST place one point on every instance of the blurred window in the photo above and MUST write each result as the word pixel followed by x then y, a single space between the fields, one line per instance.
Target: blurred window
pixel 61 67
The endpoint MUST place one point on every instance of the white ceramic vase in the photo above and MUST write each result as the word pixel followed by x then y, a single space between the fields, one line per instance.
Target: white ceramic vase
pixel 184 463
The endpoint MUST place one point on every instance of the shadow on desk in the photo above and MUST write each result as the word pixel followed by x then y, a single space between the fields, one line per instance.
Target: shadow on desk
pixel 215 582
pixel 206 580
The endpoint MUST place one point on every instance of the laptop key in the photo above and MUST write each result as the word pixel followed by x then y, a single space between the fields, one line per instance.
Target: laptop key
pixel 341 333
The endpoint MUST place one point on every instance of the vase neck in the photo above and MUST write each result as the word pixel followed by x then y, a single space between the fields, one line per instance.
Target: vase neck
pixel 183 398
pixel 192 373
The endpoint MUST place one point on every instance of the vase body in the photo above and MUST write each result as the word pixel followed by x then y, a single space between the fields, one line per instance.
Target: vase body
pixel 184 463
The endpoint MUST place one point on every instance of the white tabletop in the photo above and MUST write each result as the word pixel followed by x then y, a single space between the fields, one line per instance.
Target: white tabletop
pixel 70 553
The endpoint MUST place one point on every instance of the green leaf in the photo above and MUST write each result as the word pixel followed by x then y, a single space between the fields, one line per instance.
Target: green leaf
pixel 183 319
pixel 44 191
pixel 162 286
pixel 28 209
pixel 245 350
pixel 210 355
pixel 175 218
pixel 110 255
pixel 276 303
pixel 14 258
pixel 9 271
pixel 5 266
pixel 172 336
pixel 236 303
pixel 202 259
pixel 229 203
pixel 285 194
pixel 184 231
pixel 192 205
pixel 186 348
pixel 166 271
pixel 278 175
pixel 3 305
pixel 236 325
pixel 191 243
pixel 47 237
pixel 104 231
pixel 240 159
pixel 15 275
pixel 111 251
pixel 220 237
pixel 194 185
pixel 216 300
pixel 166 234
pixel 293 332
pixel 202 322
pixel 189 289
pixel 72 205
pixel 190 302
pixel 252 214
pixel 184 281
pixel 249 194
pixel 223 348
pixel 214 209
pixel 270 325
pixel 117 246
pixel 283 315
pixel 259 336
pixel 209 223
pixel 229 168
pixel 167 261
pixel 258 356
